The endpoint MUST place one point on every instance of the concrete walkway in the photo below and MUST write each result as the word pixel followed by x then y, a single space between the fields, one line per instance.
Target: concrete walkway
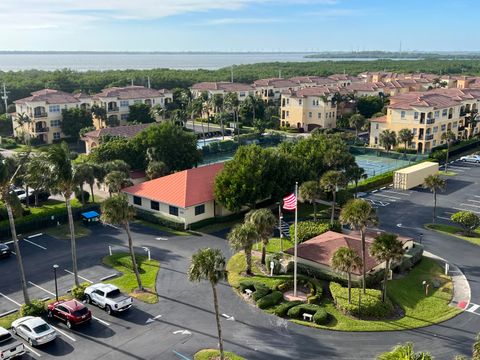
pixel 461 288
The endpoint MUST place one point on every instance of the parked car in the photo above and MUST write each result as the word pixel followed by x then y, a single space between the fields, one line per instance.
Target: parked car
pixel 108 297
pixel 10 347
pixel 4 252
pixel 471 158
pixel 72 312
pixel 34 330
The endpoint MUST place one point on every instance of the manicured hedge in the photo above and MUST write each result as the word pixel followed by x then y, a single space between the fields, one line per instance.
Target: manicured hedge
pixel 321 317
pixel 310 229
pixel 297 312
pixel 260 291
pixel 270 300
pixel 36 308
pixel 247 284
pixel 282 309
pixel 375 182
pixel 371 305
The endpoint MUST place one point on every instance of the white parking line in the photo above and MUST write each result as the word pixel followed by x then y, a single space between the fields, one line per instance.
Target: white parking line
pixel 396 192
pixel 63 333
pixel 13 301
pixel 41 288
pixel 387 196
pixel 101 321
pixel 476 201
pixel 81 277
pixel 444 218
pixel 32 351
pixel 477 196
pixel 31 242
pixel 34 236
pixel 473 308
pixel 465 204
pixel 478 212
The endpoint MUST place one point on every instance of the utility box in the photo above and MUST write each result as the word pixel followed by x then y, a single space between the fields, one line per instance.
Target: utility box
pixel 412 176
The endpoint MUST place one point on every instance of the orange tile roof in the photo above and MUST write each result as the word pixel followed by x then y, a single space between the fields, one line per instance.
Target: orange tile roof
pixel 183 189
pixel 380 119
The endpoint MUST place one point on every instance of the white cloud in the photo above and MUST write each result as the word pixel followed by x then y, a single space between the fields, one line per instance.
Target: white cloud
pixel 227 21
pixel 337 12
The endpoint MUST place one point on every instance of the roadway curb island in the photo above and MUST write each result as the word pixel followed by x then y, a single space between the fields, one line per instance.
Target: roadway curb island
pixel 461 288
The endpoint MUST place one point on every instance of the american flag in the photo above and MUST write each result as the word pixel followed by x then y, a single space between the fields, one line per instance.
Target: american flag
pixel 290 202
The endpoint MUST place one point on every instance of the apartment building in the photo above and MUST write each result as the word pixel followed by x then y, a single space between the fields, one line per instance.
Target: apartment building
pixel 270 90
pixel 116 102
pixel 39 116
pixel 313 81
pixel 222 88
pixel 428 115
pixel 309 108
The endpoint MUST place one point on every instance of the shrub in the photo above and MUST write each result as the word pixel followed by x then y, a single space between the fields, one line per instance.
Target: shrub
pixel 270 300
pixel 36 308
pixel 260 291
pixel 314 299
pixel 247 284
pixel 276 261
pixel 375 182
pixel 297 312
pixel 310 229
pixel 371 305
pixel 78 292
pixel 283 308
pixel 321 317
pixel 285 286
pixel 416 252
pixel 78 195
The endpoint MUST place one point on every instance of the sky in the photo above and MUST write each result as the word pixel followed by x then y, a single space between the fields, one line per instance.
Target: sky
pixel 239 25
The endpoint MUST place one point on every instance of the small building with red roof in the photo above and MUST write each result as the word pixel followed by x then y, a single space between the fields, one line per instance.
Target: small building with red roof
pixel 185 197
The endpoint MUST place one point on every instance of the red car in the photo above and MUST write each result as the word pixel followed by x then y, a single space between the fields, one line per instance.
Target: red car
pixel 72 312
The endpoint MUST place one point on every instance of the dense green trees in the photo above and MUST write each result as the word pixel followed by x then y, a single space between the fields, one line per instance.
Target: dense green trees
pixel 405 136
pixel 467 220
pixel 73 120
pixel 369 105
pixel 140 113
pixel 346 260
pixel 387 139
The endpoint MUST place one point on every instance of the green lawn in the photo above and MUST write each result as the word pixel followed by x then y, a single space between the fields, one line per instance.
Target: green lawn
pixel 6 321
pixel 163 228
pixel 212 354
pixel 274 245
pixel 127 282
pixel 63 231
pixel 455 231
pixel 420 310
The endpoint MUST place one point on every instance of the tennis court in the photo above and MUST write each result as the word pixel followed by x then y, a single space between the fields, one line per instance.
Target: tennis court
pixel 376 165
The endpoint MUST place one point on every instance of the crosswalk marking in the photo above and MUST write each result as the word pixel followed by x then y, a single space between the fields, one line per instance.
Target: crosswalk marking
pixel 473 308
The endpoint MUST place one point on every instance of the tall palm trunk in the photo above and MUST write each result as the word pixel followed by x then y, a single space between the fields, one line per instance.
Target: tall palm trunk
pixel 36 198
pixel 81 194
pixel 314 210
pixel 91 192
pixel 356 189
pixel 72 238
pixel 203 133
pixel 23 280
pixel 385 279
pixel 217 317
pixel 264 251
pixel 132 254
pixel 448 152
pixel 235 114
pixel 248 260
pixel 349 287
pixel 27 198
pixel 364 276
pixel 332 216
pixel 434 205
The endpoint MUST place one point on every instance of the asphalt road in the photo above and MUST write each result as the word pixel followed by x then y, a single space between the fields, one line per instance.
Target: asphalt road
pixel 183 321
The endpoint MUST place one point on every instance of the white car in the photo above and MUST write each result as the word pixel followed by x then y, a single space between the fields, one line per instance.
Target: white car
pixel 471 158
pixel 34 330
pixel 10 348
pixel 108 297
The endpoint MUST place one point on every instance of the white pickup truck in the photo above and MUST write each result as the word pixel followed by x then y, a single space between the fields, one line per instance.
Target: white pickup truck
pixel 108 297
pixel 10 347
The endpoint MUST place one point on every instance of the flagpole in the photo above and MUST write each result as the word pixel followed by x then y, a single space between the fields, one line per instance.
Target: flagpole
pixel 295 251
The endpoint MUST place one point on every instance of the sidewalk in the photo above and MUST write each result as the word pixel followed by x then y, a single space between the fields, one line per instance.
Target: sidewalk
pixel 461 288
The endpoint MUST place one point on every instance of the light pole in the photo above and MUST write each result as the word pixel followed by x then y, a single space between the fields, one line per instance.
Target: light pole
pixel 55 267
pixel 421 237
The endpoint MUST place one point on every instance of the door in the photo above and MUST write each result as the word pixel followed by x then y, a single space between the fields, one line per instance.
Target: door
pixel 98 297
pixel 61 312
pixel 24 331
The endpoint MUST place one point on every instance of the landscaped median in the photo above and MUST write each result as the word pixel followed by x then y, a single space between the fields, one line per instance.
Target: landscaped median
pixel 456 231
pixel 212 354
pixel 407 306
pixel 127 283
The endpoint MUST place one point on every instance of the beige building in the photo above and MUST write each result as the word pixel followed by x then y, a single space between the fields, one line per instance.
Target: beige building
pixel 39 116
pixel 309 108
pixel 428 115
pixel 222 88
pixel 270 90
pixel 184 197
pixel 116 102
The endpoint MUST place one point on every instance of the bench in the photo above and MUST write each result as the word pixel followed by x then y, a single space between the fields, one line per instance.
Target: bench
pixel 248 292
pixel 308 317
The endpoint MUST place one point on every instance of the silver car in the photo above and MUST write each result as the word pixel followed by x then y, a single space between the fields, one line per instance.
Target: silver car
pixel 471 158
pixel 34 330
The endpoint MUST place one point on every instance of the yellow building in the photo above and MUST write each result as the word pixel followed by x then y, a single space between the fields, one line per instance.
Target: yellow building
pixel 40 115
pixel 116 102
pixel 428 115
pixel 309 108
pixel 270 90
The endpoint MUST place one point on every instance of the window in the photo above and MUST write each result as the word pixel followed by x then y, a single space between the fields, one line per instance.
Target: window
pixel 200 209
pixel 288 101
pixel 288 113
pixel 319 115
pixel 435 129
pixel 376 140
pixel 242 94
pixel 124 117
pixel 444 112
pixel 299 101
pixel 124 103
pixel 54 108
pixel 376 126
pixel 55 123
pixel 154 205
pixel 444 127
pixel 434 142
pixel 436 114
pixel 415 115
pixel 310 114
pixel 56 136
pixel 173 210
pixel 137 200
pixel 402 114
pixel 455 124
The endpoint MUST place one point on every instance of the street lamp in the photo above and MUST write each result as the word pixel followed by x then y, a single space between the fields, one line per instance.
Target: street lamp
pixel 421 237
pixel 55 267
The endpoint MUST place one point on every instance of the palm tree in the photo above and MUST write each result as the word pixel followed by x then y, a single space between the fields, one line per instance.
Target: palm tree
pixel 116 181
pixel 405 136
pixel 356 173
pixel 156 169
pixel 311 191
pixel 84 174
pixel 63 180
pixel 386 248
pixel 346 260
pixel 231 103
pixel 434 183
pixel 357 121
pixel 264 222
pixel 359 214
pixel 449 137
pixel 37 174
pixel 116 210
pixel 476 348
pixel 243 237
pixel 8 171
pixel 209 264
pixel 404 352
pixel 387 139
pixel 22 120
pixel 216 103
pixel 332 181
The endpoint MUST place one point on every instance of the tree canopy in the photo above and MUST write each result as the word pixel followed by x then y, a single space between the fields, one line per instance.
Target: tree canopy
pixel 74 120
pixel 140 113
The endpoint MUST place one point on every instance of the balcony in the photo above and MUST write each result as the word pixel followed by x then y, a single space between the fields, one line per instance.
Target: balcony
pixel 112 109
pixel 40 115
pixel 40 130
pixel 429 137
pixel 461 128
pixel 430 121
